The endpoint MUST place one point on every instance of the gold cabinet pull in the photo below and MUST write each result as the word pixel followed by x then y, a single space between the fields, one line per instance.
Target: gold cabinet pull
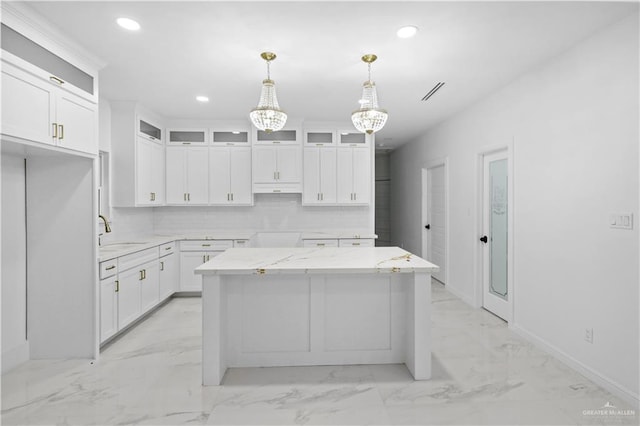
pixel 162 266
pixel 232 196
pixel 56 80
pixel 355 244
pixel 108 268
pixel 61 131
pixel 168 248
pixel 206 245
pixel 117 286
pixel 141 276
pixel 55 130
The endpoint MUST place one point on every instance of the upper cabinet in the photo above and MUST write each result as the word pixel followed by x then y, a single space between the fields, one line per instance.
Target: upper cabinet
pixel 286 136
pixel 353 138
pixel 354 174
pixel 187 175
pixel 46 99
pixel 226 137
pixel 138 155
pixel 195 137
pixel 314 137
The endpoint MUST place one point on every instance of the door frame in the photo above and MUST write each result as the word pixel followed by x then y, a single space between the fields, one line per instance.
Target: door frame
pixel 444 161
pixel 479 226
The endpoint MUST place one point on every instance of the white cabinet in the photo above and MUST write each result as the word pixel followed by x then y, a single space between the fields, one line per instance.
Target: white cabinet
pixel 128 297
pixel 187 175
pixel 286 136
pixel 230 176
pixel 37 110
pixel 187 137
pixel 347 138
pixel 137 156
pixel 354 176
pixel 169 274
pixel 149 286
pixel 195 253
pixel 329 242
pixel 108 307
pixel 235 137
pixel 320 176
pixel 277 168
pixel 316 137
pixel 356 242
pixel 150 159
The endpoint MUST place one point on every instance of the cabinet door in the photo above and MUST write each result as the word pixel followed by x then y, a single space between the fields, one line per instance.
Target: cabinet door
pixel 311 182
pixel 108 308
pixel 76 119
pixel 169 275
pixel 240 176
pixel 27 106
pixel 128 297
pixel 362 175
pixel 264 164
pixel 288 166
pixel 197 175
pixel 328 176
pixel 149 286
pixel 219 176
pixel 176 176
pixel 144 165
pixel 345 176
pixel 156 178
pixel 189 261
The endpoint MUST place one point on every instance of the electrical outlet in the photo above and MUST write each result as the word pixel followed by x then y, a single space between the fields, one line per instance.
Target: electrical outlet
pixel 588 335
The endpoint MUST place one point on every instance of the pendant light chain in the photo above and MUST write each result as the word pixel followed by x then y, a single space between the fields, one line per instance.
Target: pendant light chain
pixel 369 67
pixel 268 70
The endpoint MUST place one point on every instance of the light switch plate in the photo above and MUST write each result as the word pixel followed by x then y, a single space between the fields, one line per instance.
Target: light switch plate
pixel 621 220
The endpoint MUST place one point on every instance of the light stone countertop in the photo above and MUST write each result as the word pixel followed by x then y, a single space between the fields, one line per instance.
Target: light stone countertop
pixel 255 261
pixel 117 249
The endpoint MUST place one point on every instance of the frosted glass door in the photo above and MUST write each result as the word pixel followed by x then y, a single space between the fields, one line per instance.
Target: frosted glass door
pixel 498 228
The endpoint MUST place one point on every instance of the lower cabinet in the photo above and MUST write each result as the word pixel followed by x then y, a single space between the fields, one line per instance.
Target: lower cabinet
pixel 193 254
pixel 108 307
pixel 169 275
pixel 129 297
pixel 149 286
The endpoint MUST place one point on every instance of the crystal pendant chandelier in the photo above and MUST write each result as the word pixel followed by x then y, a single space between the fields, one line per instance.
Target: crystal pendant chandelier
pixel 267 115
pixel 369 118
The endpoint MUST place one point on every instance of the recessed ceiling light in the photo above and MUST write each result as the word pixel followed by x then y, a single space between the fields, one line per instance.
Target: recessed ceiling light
pixel 202 99
pixel 128 24
pixel 236 133
pixel 407 32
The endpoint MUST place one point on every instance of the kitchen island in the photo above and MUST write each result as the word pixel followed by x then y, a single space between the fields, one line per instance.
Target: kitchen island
pixel 267 307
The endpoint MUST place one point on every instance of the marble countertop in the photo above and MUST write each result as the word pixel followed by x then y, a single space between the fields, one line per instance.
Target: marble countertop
pixel 250 261
pixel 122 248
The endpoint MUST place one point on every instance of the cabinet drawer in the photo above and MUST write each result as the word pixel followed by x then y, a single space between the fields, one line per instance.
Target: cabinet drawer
pixel 108 268
pixel 241 243
pixel 167 249
pixel 320 243
pixel 136 259
pixel 356 242
pixel 206 245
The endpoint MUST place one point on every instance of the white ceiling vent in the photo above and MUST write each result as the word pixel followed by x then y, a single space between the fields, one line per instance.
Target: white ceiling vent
pixel 432 91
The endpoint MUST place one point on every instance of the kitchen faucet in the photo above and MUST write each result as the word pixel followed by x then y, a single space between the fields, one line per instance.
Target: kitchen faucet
pixel 107 227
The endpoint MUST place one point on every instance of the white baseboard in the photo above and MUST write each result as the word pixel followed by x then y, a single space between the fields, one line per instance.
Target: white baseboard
pixel 459 295
pixel 15 356
pixel 610 385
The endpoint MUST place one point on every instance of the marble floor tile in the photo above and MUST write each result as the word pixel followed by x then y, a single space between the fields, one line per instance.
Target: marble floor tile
pixel 482 374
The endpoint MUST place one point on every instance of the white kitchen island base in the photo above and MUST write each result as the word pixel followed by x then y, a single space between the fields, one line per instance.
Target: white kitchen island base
pixel 275 312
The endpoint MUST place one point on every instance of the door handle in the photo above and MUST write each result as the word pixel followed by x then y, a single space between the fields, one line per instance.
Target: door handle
pixel 484 239
pixel 427 226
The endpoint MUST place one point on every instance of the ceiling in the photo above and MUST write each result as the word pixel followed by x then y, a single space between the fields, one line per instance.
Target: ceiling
pixel 212 48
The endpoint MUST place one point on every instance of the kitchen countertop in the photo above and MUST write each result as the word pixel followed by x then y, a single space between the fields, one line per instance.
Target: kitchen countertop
pixel 257 261
pixel 117 249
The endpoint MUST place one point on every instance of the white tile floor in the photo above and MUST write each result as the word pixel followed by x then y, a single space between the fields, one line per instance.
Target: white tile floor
pixel 483 374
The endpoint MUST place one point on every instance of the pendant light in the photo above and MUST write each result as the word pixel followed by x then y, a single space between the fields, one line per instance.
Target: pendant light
pixel 267 115
pixel 369 118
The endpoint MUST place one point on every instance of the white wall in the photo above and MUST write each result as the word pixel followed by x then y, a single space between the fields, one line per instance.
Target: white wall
pixel 15 348
pixel 272 212
pixel 574 127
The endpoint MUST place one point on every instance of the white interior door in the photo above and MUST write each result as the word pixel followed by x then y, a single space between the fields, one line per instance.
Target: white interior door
pixel 436 221
pixel 495 253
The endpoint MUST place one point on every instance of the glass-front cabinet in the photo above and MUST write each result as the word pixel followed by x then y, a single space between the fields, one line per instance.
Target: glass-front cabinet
pixel 230 137
pixel 187 136
pixel 147 129
pixel 319 137
pixel 353 138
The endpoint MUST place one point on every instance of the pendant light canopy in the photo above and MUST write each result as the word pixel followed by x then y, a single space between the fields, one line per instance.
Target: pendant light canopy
pixel 267 115
pixel 369 118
